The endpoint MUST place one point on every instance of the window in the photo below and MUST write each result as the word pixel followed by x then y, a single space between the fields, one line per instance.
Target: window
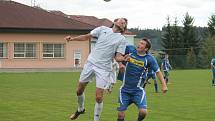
pixel 3 50
pixel 77 58
pixel 24 50
pixel 53 50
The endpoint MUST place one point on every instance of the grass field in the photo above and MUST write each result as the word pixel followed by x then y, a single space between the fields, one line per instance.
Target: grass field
pixel 51 97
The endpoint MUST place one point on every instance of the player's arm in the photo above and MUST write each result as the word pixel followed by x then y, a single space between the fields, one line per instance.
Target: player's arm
pixel 154 66
pixel 120 57
pixel 163 82
pixel 79 38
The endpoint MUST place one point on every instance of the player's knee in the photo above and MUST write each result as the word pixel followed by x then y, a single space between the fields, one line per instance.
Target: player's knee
pixel 99 98
pixel 143 113
pixel 80 88
pixel 121 115
pixel 79 92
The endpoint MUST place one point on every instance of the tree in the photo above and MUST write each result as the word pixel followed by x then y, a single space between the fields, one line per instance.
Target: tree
pixel 211 25
pixel 167 41
pixel 178 44
pixel 189 35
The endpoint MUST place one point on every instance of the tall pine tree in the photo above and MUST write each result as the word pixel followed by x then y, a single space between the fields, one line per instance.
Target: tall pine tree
pixel 189 36
pixel 211 25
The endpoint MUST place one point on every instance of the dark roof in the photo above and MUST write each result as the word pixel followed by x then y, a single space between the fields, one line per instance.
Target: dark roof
pixel 16 15
pixel 92 20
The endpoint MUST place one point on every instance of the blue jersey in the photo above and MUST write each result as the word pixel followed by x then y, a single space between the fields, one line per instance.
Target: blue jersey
pixel 136 69
pixel 165 64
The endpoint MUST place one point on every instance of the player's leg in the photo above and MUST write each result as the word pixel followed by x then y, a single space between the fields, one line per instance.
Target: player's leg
pixel 99 104
pixel 141 103
pixel 121 116
pixel 103 78
pixel 142 114
pixel 166 74
pixel 85 77
pixel 124 101
pixel 80 99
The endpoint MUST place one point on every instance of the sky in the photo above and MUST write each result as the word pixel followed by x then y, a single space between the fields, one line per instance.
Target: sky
pixel 144 14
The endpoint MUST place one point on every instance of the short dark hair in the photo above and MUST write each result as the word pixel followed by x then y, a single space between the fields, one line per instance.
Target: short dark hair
pixel 148 43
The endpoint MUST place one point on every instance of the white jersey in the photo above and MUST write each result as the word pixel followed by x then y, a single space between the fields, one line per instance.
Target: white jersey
pixel 107 44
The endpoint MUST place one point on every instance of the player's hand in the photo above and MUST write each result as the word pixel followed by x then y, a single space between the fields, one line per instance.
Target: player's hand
pixel 109 87
pixel 121 67
pixel 127 57
pixel 164 88
pixel 68 38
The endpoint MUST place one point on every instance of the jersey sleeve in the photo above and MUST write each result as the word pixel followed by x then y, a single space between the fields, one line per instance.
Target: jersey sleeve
pixel 95 32
pixel 153 65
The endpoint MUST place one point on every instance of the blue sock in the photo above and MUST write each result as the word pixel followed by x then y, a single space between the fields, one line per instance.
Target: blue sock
pixel 156 87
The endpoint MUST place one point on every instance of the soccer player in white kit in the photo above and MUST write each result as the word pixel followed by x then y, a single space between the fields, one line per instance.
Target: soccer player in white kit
pixel 110 43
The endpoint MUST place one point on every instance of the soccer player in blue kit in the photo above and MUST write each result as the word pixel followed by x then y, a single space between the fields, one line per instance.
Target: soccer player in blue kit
pixel 133 77
pixel 165 66
pixel 213 71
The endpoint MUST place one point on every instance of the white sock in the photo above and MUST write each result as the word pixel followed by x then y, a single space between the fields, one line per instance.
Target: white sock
pixel 97 111
pixel 81 99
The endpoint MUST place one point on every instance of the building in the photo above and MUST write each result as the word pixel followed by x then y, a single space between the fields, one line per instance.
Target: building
pixel 33 38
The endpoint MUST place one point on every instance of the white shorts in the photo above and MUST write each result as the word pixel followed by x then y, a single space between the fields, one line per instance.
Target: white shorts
pixel 103 77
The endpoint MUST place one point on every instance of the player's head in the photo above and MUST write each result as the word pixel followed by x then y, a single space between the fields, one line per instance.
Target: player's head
pixel 121 23
pixel 144 45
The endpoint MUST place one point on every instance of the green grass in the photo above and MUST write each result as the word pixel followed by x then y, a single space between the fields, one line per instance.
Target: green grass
pixel 51 97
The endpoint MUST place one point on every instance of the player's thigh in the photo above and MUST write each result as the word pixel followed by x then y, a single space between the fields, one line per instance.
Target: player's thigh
pixel 87 73
pixel 103 78
pixel 140 100
pixel 124 100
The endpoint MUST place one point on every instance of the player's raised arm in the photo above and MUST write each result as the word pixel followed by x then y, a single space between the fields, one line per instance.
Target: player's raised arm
pixel 84 37
pixel 163 82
